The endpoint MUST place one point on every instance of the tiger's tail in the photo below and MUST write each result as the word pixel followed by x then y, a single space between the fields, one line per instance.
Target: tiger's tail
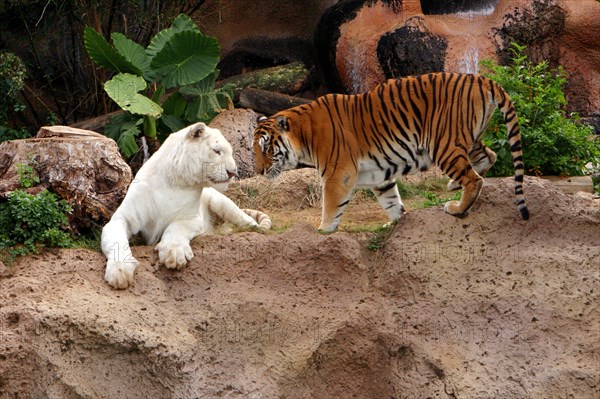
pixel 263 220
pixel 506 107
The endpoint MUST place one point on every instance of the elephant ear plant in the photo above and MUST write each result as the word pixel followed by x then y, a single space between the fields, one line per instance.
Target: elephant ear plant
pixel 163 87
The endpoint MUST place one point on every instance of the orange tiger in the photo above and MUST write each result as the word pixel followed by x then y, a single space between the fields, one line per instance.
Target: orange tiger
pixel 400 127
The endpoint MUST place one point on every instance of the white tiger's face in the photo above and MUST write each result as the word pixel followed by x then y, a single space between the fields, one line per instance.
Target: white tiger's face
pixel 273 151
pixel 200 155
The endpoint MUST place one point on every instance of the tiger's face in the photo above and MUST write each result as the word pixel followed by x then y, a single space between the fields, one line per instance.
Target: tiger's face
pixel 273 151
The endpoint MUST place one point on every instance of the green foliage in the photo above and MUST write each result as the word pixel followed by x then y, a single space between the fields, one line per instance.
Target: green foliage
pixel 553 143
pixel 380 236
pixel 433 199
pixel 8 133
pixel 27 174
pixel 179 58
pixel 12 81
pixel 28 221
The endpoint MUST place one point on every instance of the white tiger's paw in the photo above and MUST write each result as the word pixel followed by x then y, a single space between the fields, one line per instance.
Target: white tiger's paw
pixel 119 275
pixel 174 255
pixel 453 185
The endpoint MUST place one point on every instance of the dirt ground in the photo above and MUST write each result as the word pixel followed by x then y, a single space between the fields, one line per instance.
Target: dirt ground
pixel 488 306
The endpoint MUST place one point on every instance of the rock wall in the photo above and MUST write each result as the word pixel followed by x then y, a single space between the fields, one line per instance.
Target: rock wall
pixel 361 43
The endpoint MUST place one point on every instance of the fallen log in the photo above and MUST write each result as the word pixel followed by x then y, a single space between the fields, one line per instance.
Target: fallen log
pixel 83 168
pixel 268 102
pixel 97 123
pixel 291 78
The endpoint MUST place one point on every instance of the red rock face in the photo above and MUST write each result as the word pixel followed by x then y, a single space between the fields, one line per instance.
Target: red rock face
pixel 563 32
pixel 580 54
pixel 356 59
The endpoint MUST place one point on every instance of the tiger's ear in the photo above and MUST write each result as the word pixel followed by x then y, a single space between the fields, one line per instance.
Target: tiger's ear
pixel 196 131
pixel 261 118
pixel 282 122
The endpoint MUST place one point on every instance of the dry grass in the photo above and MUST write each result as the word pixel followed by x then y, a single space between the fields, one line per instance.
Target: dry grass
pixel 295 197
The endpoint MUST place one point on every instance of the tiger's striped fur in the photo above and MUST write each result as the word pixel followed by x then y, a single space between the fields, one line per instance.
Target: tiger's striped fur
pixel 400 127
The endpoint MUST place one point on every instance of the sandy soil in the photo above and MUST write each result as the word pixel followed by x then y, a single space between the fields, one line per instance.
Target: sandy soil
pixel 488 306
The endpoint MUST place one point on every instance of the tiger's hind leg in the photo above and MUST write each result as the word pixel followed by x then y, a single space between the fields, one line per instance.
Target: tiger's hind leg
pixel 389 198
pixel 463 172
pixel 482 158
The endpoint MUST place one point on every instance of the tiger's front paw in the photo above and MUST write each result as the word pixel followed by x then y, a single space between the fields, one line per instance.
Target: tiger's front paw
pixel 119 274
pixel 174 255
pixel 453 208
pixel 327 228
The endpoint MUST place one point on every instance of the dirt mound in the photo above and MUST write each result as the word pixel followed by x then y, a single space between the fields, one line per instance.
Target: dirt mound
pixel 484 306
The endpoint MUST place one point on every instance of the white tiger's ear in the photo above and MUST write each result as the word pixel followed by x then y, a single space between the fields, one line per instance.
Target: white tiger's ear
pixel 197 130
pixel 282 122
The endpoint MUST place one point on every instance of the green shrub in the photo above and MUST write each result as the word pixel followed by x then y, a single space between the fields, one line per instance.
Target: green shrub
pixel 28 221
pixel 553 143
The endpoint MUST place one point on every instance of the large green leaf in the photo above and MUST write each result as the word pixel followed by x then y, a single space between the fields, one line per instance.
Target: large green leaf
pixel 172 122
pixel 124 89
pixel 209 101
pixel 126 142
pixel 105 55
pixel 124 128
pixel 181 23
pixel 175 105
pixel 203 87
pixel 133 52
pixel 186 58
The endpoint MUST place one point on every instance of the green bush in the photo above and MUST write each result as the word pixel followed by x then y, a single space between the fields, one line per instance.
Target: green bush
pixel 553 143
pixel 28 221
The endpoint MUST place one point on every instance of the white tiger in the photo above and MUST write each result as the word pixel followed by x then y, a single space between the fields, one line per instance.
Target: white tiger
pixel 174 198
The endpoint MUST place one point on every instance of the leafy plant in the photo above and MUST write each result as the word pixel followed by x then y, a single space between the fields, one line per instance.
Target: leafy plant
pixel 553 143
pixel 28 221
pixel 27 175
pixel 180 60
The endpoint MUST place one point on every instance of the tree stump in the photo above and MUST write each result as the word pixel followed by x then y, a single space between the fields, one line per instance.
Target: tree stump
pixel 82 167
